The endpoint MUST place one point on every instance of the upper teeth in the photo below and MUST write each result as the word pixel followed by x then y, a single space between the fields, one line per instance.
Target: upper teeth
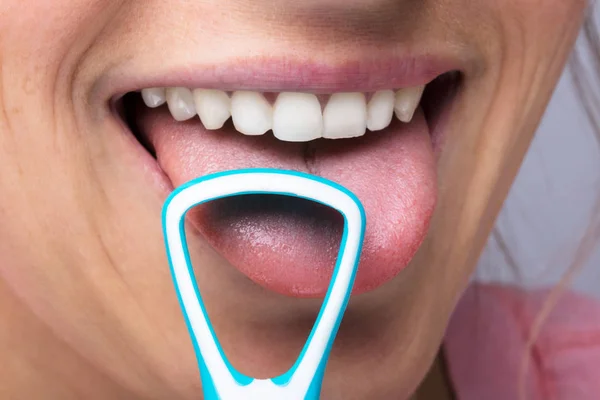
pixel 297 117
pixel 294 117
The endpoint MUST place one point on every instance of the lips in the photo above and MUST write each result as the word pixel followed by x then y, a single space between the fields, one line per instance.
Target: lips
pixel 290 245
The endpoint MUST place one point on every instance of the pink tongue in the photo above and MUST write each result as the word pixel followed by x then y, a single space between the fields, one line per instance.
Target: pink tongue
pixel 392 173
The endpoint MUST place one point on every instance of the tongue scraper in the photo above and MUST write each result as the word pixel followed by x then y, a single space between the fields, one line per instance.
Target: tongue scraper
pixel 220 380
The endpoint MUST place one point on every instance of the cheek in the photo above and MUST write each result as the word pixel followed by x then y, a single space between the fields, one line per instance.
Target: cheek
pixel 50 30
pixel 526 43
pixel 537 18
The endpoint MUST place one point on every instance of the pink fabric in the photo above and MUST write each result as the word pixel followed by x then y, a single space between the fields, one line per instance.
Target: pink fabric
pixel 486 340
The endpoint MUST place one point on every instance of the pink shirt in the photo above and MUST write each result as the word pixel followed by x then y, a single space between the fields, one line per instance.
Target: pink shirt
pixel 487 336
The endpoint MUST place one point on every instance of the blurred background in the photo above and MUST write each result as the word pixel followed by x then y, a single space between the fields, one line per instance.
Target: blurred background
pixel 551 203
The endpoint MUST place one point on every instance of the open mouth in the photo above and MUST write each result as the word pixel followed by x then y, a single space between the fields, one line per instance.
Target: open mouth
pixel 378 143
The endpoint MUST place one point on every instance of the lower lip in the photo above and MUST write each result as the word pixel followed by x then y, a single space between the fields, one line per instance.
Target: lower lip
pixel 291 249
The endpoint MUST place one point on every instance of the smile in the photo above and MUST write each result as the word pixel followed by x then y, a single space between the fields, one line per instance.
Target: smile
pixel 373 130
pixel 291 116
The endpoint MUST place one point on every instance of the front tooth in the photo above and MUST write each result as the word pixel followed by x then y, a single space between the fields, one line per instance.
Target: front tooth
pixel 251 113
pixel 154 97
pixel 297 117
pixel 380 110
pixel 181 103
pixel 407 101
pixel 345 116
pixel 213 107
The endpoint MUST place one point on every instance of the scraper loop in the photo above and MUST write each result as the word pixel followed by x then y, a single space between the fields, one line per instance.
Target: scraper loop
pixel 219 379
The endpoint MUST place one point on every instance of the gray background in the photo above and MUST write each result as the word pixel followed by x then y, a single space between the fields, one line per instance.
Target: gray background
pixel 550 204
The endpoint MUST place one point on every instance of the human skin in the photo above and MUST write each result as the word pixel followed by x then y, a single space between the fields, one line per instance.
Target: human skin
pixel 86 301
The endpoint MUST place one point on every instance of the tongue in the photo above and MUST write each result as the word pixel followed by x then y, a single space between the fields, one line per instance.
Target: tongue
pixel 288 246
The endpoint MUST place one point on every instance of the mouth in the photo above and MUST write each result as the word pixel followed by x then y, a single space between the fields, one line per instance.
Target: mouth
pixel 375 131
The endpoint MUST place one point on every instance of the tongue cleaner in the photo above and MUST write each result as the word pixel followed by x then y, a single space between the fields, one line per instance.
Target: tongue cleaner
pixel 219 379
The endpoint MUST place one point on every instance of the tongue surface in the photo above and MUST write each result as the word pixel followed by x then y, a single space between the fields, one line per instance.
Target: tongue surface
pixel 290 247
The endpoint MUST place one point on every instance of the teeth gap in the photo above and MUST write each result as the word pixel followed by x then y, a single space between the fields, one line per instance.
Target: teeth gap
pixel 291 116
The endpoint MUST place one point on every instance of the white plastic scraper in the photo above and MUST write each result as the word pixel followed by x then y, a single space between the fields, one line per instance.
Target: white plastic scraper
pixel 219 379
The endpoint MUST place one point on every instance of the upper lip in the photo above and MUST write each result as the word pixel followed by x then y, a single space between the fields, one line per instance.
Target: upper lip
pixel 277 75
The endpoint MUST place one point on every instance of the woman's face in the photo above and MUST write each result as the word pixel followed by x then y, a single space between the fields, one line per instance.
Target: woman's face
pixel 87 167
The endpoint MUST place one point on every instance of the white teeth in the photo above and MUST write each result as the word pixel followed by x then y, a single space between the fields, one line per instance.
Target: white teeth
pixel 181 103
pixel 154 97
pixel 380 110
pixel 297 117
pixel 407 101
pixel 213 107
pixel 345 116
pixel 251 113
